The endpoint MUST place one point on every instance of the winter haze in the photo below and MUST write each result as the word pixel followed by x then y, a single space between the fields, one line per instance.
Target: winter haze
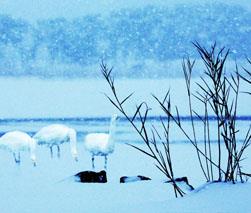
pixel 140 39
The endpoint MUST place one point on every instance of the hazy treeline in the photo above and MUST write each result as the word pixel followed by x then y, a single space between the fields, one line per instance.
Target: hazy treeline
pixel 134 39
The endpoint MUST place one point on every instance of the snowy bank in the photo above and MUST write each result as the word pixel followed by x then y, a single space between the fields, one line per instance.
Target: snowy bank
pixel 50 187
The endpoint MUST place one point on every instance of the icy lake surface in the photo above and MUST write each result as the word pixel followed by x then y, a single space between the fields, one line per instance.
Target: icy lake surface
pixel 28 104
pixel 124 131
pixel 76 98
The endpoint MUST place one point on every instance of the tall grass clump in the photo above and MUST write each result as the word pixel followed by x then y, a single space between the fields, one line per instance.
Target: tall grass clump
pixel 247 75
pixel 217 93
pixel 247 78
pixel 160 152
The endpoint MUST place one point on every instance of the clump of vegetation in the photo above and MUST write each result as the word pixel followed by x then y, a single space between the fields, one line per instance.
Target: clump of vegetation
pixel 218 93
pixel 148 135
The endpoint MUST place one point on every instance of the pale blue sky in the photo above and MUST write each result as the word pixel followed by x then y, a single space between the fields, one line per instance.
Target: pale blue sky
pixel 33 10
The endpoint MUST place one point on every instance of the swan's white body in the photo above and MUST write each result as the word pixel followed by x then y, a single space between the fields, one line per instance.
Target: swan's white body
pixel 56 134
pixel 101 144
pixel 17 141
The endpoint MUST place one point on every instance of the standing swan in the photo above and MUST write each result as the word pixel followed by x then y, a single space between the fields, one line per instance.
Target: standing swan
pixel 56 134
pixel 17 141
pixel 101 144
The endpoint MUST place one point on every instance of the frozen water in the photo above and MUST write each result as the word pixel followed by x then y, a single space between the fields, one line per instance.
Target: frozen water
pixel 36 98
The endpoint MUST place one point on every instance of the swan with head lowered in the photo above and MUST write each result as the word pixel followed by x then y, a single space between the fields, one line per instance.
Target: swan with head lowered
pixel 101 144
pixel 17 141
pixel 55 135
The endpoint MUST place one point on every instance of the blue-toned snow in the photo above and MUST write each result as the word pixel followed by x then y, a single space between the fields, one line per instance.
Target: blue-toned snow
pixel 28 104
pixel 50 187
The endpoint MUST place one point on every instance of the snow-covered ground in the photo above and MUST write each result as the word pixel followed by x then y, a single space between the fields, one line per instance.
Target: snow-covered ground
pixel 49 187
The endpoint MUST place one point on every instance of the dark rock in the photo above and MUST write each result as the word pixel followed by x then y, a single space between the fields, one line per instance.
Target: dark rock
pixel 183 180
pixel 126 179
pixel 91 177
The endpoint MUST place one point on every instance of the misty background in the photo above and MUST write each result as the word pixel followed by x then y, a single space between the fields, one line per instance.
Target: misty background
pixel 68 39
pixel 50 52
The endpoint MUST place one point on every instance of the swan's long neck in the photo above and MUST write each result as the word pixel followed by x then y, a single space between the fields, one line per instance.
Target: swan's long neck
pixel 112 128
pixel 32 151
pixel 73 143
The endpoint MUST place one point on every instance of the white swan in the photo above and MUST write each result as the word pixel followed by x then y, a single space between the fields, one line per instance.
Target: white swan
pixel 101 144
pixel 17 141
pixel 56 134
